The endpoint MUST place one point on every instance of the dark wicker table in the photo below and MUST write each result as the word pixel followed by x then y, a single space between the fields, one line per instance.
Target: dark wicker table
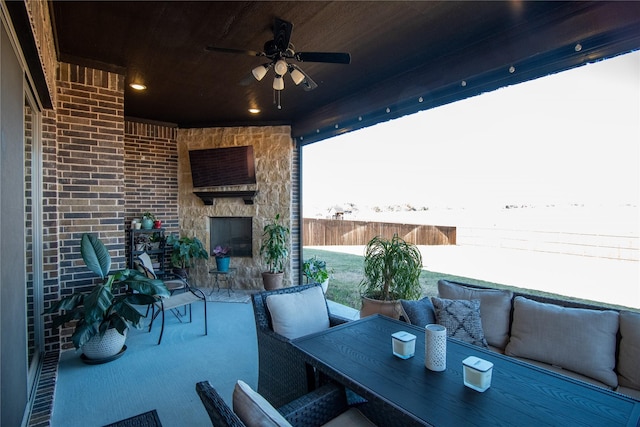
pixel 358 355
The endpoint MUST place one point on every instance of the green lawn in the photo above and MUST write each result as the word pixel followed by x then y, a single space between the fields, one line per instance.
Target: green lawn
pixel 348 272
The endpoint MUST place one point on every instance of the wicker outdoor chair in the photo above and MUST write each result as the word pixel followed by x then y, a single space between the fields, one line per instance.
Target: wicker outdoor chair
pixel 283 375
pixel 313 409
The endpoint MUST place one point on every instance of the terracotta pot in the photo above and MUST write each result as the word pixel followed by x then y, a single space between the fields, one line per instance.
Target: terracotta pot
pixel 272 281
pixel 387 308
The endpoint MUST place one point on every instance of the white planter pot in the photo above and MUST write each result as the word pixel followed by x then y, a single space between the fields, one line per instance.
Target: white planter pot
pixel 107 345
pixel 325 286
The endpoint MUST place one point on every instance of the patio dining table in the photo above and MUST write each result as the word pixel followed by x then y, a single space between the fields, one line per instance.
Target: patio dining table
pixel 359 355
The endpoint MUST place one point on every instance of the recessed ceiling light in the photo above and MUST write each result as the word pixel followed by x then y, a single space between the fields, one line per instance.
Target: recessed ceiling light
pixel 254 110
pixel 137 86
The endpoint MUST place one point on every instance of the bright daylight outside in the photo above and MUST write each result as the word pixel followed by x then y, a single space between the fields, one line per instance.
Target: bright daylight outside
pixel 541 181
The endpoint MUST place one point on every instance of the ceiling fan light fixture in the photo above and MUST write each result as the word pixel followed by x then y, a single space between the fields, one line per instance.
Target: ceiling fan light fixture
pixel 278 82
pixel 281 67
pixel 260 71
pixel 296 76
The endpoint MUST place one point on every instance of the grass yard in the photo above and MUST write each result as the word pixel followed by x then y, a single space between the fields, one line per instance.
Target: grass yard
pixel 348 273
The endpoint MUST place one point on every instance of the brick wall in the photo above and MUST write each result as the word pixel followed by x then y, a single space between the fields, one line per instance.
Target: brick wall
pixel 90 144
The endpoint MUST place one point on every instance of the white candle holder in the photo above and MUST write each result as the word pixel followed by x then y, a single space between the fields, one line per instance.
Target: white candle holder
pixel 435 347
pixel 403 344
pixel 477 373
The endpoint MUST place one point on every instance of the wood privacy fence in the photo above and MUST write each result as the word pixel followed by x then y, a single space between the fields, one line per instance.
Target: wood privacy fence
pixel 331 232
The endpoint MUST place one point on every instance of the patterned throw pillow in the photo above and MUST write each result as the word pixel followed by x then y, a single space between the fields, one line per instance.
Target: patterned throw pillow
pixel 461 318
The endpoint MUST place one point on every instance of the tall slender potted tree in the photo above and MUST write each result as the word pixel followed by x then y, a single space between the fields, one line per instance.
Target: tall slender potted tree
pixel 274 251
pixel 392 270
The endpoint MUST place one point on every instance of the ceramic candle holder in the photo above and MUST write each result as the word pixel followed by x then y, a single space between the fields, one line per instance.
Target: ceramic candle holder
pixel 404 344
pixel 477 373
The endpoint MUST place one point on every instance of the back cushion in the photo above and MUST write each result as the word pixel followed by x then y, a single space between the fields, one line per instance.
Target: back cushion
pixel 254 410
pixel 298 314
pixel 495 309
pixel 629 358
pixel 580 340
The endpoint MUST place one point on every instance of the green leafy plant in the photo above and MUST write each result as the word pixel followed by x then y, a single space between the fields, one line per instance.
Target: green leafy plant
pixel 185 251
pixel 391 269
pixel 274 245
pixel 149 215
pixel 109 304
pixel 315 270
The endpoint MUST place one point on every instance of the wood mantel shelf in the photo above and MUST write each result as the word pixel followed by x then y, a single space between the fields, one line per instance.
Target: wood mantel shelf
pixel 209 196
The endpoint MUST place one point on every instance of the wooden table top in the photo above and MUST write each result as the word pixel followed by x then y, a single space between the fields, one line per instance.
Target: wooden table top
pixel 358 354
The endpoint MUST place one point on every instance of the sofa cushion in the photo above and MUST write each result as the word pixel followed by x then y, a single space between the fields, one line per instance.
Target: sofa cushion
pixel 300 313
pixel 495 309
pixel 420 312
pixel 351 418
pixel 461 318
pixel 254 410
pixel 629 357
pixel 576 339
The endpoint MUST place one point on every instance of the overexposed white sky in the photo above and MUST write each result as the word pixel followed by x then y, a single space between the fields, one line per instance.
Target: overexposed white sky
pixel 572 137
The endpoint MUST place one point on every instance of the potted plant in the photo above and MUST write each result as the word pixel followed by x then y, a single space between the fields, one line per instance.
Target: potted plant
pixel 315 270
pixel 391 272
pixel 274 251
pixel 222 258
pixel 147 220
pixel 184 253
pixel 105 313
pixel 142 241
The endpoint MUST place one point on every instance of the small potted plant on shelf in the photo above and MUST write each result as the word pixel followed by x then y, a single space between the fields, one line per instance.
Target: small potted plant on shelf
pixel 274 250
pixel 142 241
pixel 222 258
pixel 392 270
pixel 105 313
pixel 184 253
pixel 315 270
pixel 147 220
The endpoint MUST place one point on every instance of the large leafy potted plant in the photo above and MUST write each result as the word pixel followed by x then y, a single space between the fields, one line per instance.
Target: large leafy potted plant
pixel 184 253
pixel 315 270
pixel 274 251
pixel 392 270
pixel 105 313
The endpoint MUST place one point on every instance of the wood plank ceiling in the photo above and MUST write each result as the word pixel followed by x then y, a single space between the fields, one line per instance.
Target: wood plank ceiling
pixel 406 55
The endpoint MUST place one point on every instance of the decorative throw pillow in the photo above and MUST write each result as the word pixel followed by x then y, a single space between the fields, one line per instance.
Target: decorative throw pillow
pixel 577 339
pixel 254 410
pixel 461 318
pixel 629 358
pixel 300 313
pixel 420 312
pixel 495 309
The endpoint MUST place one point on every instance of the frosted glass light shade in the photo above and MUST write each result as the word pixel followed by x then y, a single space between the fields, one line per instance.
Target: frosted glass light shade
pixel 297 76
pixel 259 72
pixel 278 82
pixel 281 67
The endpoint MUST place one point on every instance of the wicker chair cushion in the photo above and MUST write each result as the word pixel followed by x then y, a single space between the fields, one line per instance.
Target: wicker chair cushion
pixel 351 418
pixel 254 410
pixel 461 318
pixel 577 339
pixel 298 314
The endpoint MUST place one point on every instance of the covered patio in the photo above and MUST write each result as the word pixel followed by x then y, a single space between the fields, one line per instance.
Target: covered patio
pixel 83 152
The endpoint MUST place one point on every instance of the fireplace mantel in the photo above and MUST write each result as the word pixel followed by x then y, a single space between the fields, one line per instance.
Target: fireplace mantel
pixel 208 197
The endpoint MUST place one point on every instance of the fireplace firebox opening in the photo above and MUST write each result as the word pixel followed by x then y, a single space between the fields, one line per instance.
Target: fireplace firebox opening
pixel 233 232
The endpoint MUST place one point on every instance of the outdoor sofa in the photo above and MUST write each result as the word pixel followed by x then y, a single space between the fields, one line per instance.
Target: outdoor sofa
pixel 594 344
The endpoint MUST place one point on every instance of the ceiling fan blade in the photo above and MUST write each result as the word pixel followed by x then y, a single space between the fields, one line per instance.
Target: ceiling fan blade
pixel 329 57
pixel 307 84
pixel 282 34
pixel 228 50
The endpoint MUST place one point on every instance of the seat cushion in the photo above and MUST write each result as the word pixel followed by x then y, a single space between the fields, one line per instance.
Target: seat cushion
pixel 350 418
pixel 629 357
pixel 461 318
pixel 254 410
pixel 576 339
pixel 495 309
pixel 419 313
pixel 298 314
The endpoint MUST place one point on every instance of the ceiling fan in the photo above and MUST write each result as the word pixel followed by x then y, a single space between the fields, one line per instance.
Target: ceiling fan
pixel 280 52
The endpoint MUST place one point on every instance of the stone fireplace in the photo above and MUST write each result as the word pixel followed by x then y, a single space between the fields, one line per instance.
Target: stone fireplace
pixel 274 153
pixel 236 233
